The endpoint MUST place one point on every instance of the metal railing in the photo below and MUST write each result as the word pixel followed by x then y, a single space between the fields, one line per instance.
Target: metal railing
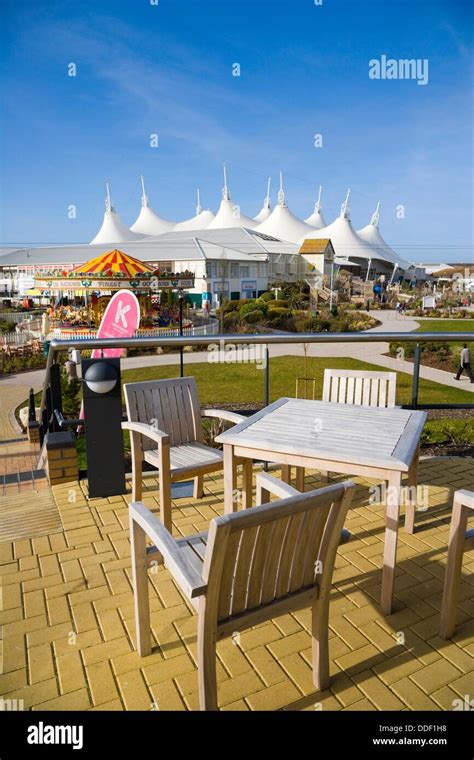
pixel 50 387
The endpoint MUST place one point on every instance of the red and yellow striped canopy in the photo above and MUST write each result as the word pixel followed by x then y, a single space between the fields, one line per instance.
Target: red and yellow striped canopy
pixel 114 261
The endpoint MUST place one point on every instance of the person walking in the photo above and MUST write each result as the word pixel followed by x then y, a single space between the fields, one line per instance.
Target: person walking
pixel 465 363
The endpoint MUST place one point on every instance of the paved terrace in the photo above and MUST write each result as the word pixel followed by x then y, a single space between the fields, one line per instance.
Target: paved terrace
pixel 67 613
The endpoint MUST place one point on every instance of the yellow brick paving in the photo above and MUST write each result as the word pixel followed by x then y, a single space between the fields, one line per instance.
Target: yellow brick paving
pixel 66 608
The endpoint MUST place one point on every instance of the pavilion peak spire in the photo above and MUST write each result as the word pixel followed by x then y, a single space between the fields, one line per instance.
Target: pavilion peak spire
pixel 144 195
pixel 317 205
pixel 108 200
pixel 345 211
pixel 376 216
pixel 281 192
pixel 266 202
pixel 199 208
pixel 225 189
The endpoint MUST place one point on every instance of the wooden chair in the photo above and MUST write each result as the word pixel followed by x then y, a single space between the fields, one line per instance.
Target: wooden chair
pixel 347 386
pixel 250 567
pixel 164 420
pixel 459 541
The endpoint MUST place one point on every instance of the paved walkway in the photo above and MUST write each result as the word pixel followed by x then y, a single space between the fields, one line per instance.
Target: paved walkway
pixel 77 581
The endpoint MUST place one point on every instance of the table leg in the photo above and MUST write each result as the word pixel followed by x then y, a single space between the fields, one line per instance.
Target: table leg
pixel 230 480
pixel 392 508
pixel 247 472
pixel 300 478
pixel 452 578
pixel 286 473
pixel 410 507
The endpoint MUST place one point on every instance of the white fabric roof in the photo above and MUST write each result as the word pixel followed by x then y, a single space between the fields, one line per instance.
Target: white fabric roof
pixel 282 223
pixel 316 219
pixel 148 222
pixel 371 234
pixel 266 208
pixel 113 230
pixel 345 241
pixel 201 221
pixel 229 214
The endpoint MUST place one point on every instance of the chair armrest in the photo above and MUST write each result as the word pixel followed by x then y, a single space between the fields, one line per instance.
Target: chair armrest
pixel 223 414
pixel 270 484
pixel 149 431
pixel 185 575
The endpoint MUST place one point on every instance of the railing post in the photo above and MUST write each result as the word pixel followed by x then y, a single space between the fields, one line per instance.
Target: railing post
pixel 55 390
pixel 181 357
pixel 31 406
pixel 416 376
pixel 266 377
pixel 266 386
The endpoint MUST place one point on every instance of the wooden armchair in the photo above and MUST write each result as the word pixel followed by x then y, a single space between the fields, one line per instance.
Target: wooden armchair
pixel 459 541
pixel 250 567
pixel 165 424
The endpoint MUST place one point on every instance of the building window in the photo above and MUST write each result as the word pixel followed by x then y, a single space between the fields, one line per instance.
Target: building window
pixel 234 269
pixel 244 270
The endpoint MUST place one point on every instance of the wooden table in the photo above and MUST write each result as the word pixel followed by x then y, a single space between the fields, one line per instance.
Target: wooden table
pixel 355 440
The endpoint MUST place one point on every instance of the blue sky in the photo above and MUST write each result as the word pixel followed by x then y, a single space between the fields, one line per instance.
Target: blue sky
pixel 167 69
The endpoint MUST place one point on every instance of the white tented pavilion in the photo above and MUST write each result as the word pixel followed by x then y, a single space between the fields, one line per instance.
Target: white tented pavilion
pixel 148 222
pixel 113 230
pixel 316 219
pixel 349 245
pixel 282 223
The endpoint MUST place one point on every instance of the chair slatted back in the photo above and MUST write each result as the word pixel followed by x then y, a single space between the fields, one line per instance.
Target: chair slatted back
pixel 170 405
pixel 269 552
pixel 343 386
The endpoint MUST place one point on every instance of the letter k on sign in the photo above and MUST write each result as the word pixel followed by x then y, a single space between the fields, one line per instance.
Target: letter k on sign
pixel 120 314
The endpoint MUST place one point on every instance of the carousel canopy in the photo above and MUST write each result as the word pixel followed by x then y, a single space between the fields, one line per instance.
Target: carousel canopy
pixel 114 261
pixel 316 219
pixel 282 223
pixel 113 230
pixel 148 222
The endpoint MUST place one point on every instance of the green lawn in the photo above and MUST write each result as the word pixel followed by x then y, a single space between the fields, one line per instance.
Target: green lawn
pixel 244 383
pixel 446 325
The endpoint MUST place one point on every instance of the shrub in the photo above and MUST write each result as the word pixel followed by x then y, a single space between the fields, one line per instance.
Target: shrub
pixel 309 325
pixel 252 317
pixel 261 304
pixel 246 308
pixel 268 296
pixel 231 319
pixel 278 304
pixel 278 313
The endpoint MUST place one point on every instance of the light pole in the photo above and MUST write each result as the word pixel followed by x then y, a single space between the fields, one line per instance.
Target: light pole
pixel 331 283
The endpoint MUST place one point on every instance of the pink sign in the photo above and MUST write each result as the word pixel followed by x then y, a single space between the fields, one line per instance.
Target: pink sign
pixel 121 319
